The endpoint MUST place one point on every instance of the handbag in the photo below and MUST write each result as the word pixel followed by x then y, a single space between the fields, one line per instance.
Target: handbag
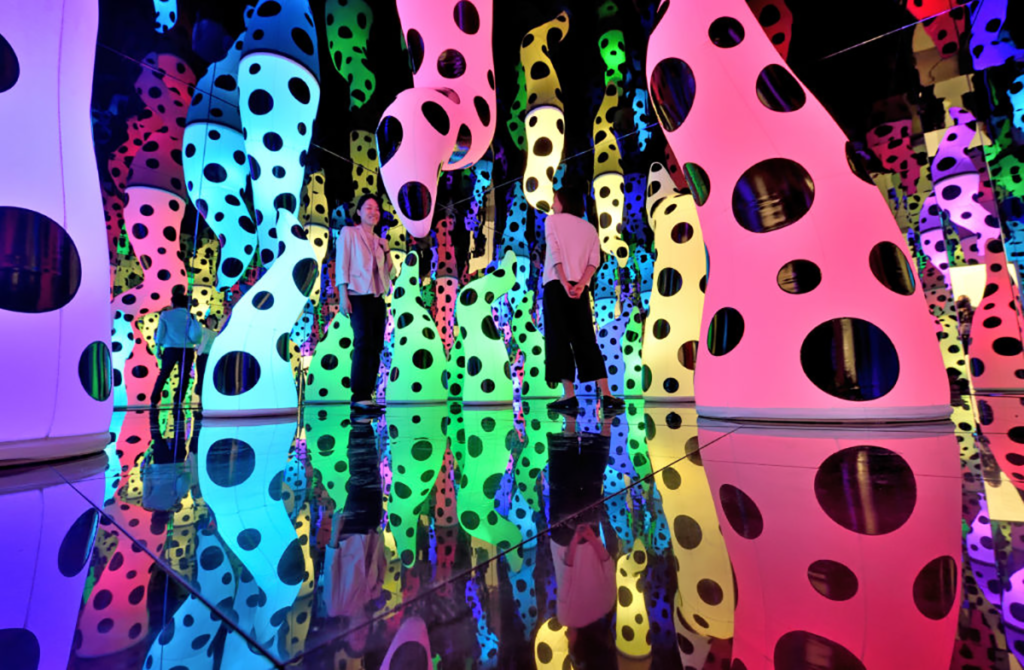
pixel 585 575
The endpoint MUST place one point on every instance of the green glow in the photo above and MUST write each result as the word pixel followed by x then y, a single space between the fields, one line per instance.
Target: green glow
pixel 517 117
pixel 613 53
pixel 488 376
pixel 632 377
pixel 531 342
pixel 353 18
pixel 329 371
pixel 418 360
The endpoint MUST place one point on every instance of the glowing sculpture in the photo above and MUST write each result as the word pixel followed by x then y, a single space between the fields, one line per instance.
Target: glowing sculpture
pixel 417 447
pixel 890 142
pixel 643 268
pixel 418 361
pixel 363 152
pixel 488 370
pixel 249 371
pixel 605 292
pixel 481 460
pixel 348 33
pixel 514 238
pixel 702 562
pixel 216 165
pixel 237 470
pixel 632 624
pixel 551 646
pixel 845 521
pixel 1016 95
pixel 446 283
pixel 315 220
pixel 632 354
pixel 279 91
pixel 446 121
pixel 51 528
pixel 531 342
pixel 855 345
pixel 482 172
pixel 150 174
pixel 997 356
pixel 991 44
pixel 609 184
pixel 609 341
pixel 166 14
pixel 455 372
pixel 942 24
pixel 54 280
pixel 517 115
pixel 545 116
pixel 776 19
pixel 677 303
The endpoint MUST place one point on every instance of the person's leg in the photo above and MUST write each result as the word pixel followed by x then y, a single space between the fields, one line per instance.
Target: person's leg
pixel 362 356
pixel 184 370
pixel 558 355
pixel 379 321
pixel 588 355
pixel 200 374
pixel 168 360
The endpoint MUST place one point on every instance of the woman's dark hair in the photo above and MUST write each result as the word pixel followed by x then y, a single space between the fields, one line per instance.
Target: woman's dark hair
pixel 362 201
pixel 572 198
pixel 179 300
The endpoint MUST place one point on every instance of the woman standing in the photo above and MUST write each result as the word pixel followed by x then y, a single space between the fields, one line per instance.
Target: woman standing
pixel 210 332
pixel 573 255
pixel 363 268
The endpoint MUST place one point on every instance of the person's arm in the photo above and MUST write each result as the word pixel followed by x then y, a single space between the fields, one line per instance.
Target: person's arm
pixel 593 262
pixel 161 334
pixel 343 266
pixel 554 255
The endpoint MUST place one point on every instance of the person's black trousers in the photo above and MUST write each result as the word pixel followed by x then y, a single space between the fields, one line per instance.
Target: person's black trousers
pixel 369 316
pixel 183 359
pixel 569 338
pixel 201 360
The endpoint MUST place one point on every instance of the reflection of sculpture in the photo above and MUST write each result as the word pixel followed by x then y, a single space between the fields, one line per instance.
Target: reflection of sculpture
pixel 672 333
pixel 418 360
pixel 348 32
pixel 417 447
pixel 855 336
pixel 446 121
pixel 216 166
pixel 249 370
pixel 279 90
pixel 545 116
pixel 609 191
pixel 850 546
pixel 54 279
pixel 488 370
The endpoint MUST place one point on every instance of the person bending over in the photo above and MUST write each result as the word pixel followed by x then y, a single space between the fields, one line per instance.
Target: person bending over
pixel 573 255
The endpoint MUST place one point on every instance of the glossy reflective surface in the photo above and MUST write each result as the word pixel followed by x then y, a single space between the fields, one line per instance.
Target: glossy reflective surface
pixel 517 537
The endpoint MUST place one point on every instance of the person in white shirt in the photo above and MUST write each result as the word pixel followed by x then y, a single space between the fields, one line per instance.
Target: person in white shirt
pixel 177 334
pixel 573 256
pixel 210 332
pixel 363 272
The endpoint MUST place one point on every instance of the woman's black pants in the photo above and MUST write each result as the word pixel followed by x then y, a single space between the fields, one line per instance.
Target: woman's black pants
pixel 369 316
pixel 569 339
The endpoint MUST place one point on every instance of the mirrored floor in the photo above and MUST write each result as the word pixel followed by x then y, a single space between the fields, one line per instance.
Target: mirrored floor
pixel 514 537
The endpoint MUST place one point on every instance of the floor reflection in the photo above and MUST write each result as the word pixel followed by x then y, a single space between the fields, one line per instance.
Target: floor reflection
pixel 451 536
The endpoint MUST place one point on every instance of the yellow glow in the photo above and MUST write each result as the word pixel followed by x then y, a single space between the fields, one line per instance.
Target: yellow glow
pixel 545 140
pixel 608 198
pixel 632 623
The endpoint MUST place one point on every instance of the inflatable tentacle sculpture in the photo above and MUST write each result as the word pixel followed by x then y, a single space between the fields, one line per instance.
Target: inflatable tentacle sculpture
pixel 279 92
pixel 250 368
pixel 545 115
pixel 488 370
pixel 329 377
pixel 446 121
pixel 216 166
pixel 155 191
pixel 677 302
pixel 166 14
pixel 632 622
pixel 530 342
pixel 609 184
pixel 852 347
pixel 417 445
pixel 418 360
pixel 446 283
pixel 776 18
pixel 54 272
pixel 348 34
pixel 632 354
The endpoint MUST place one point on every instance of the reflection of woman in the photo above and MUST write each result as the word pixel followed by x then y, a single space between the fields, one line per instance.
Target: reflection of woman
pixel 573 255
pixel 363 269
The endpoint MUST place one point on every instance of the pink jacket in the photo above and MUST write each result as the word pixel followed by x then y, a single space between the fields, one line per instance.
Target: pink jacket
pixel 360 254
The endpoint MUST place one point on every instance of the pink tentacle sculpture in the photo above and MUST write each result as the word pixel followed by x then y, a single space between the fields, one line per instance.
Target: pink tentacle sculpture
pixel 791 231
pixel 446 121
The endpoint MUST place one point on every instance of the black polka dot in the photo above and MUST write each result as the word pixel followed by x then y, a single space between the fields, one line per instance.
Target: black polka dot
pixel 866 489
pixel 299 90
pixel 1007 346
pixel 263 300
pixel 249 539
pixel 710 592
pixel 483 110
pixel 778 90
pixel 832 579
pixel 539 70
pixel 687 355
pixel 389 138
pixel 95 371
pixel 891 268
pixel 20 647
pixel 272 141
pixel 215 173
pixel 670 282
pixel 9 67
pixel 681 233
pixel 800 276
pixel 268 8
pixel 741 512
pixel 795 648
pixel 771 195
pixel 725 32
pixel 935 588
pixel 235 373
pixel 260 102
pixel 76 547
pixel 436 117
pixel 725 330
pixel 32 242
pixel 414 200
pixel 302 40
pixel 291 569
pixel 451 64
pixel 466 17
pixel 230 462
pixel 414 42
pixel 851 359
pixel 687 532
pixel 672 89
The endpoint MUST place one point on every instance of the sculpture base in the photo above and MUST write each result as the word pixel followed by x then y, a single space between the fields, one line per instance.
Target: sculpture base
pixel 23 452
pixel 662 400
pixel 854 415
